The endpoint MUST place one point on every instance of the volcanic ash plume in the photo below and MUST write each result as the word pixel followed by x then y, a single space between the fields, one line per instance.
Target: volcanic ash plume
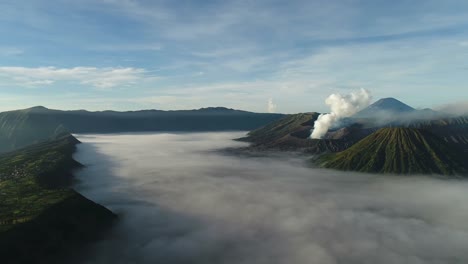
pixel 341 106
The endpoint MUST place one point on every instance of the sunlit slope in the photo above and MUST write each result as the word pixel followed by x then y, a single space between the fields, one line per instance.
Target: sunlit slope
pixel 400 151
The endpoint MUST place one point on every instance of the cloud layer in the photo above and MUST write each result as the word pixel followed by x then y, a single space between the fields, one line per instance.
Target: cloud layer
pixel 182 201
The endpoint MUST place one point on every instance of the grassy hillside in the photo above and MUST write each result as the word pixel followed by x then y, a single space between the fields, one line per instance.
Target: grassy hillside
pixel 39 215
pixel 400 151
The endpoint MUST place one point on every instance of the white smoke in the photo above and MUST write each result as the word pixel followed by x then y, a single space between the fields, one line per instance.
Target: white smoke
pixel 271 106
pixel 341 106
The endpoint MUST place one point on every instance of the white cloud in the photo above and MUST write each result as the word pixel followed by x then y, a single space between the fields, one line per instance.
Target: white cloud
pixel 39 83
pixel 10 51
pixel 271 108
pixel 224 52
pixel 96 77
pixel 127 47
pixel 242 21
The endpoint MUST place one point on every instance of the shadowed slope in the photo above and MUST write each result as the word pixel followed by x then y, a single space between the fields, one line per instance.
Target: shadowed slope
pixel 298 125
pixel 400 151
pixel 25 127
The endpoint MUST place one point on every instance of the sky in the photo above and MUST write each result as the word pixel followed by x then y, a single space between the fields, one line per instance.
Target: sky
pixel 276 56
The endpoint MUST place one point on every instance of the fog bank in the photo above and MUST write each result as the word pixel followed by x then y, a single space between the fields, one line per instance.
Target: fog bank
pixel 181 201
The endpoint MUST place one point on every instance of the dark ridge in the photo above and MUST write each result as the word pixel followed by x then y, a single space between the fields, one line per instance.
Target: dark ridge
pixel 30 126
pixel 58 232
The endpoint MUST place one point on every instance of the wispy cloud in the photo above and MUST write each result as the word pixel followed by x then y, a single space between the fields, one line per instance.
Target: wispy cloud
pixel 112 47
pixel 96 77
pixel 10 51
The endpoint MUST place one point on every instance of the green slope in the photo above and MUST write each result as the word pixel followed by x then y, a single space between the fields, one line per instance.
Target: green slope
pixel 40 216
pixel 399 151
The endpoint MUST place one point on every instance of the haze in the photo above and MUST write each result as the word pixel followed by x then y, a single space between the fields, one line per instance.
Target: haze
pixel 183 199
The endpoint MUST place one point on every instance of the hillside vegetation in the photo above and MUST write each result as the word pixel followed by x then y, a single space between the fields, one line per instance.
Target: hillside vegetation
pixel 399 151
pixel 39 215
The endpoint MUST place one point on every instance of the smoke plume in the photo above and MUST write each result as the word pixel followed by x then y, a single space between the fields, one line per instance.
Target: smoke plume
pixel 271 106
pixel 341 106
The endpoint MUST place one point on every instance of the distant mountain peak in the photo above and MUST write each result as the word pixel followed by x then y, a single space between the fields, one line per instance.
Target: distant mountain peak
pixel 38 108
pixel 389 105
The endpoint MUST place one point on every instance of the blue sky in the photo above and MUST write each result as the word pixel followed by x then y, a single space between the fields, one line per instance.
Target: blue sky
pixel 132 54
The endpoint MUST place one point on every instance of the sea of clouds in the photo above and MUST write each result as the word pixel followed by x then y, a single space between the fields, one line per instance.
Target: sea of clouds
pixel 183 200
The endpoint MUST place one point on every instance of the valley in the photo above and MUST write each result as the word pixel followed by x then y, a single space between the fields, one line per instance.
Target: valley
pixel 45 187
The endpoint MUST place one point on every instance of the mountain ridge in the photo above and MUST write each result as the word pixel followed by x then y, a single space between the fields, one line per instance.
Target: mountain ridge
pixel 40 108
pixel 23 127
